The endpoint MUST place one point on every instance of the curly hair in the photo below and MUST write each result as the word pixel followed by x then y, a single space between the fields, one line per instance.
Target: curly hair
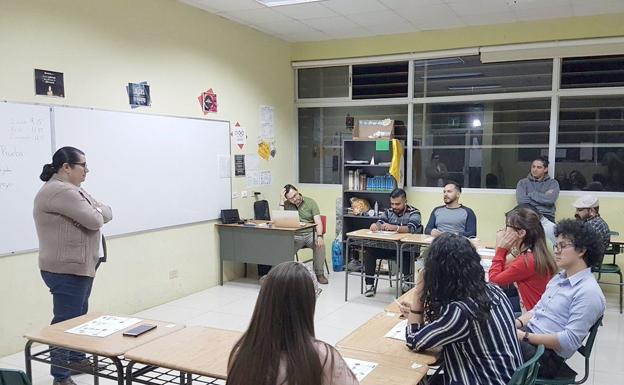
pixel 584 238
pixel 453 272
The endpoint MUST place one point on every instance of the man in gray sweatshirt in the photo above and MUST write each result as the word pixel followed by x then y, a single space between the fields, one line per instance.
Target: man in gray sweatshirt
pixel 539 189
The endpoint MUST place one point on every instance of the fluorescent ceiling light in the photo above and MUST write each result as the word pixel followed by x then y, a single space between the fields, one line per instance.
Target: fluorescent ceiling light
pixel 473 88
pixel 277 3
pixel 450 76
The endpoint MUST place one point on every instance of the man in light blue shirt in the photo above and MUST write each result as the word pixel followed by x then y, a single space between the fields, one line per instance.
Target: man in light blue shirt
pixel 571 304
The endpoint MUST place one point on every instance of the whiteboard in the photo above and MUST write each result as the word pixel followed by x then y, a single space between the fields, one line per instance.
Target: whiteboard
pixel 25 146
pixel 154 171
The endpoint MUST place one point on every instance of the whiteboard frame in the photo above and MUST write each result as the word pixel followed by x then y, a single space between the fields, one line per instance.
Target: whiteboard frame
pixel 53 147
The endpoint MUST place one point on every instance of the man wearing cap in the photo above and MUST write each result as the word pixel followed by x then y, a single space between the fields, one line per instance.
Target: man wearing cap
pixel 587 208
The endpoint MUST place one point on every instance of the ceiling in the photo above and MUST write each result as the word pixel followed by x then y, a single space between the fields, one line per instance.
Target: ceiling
pixel 339 19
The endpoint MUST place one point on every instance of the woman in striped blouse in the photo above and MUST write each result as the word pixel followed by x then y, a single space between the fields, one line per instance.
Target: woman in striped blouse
pixel 454 308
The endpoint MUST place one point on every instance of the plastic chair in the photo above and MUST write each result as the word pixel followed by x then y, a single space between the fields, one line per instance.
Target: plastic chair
pixel 324 222
pixel 13 377
pixel 527 373
pixel 611 268
pixel 585 351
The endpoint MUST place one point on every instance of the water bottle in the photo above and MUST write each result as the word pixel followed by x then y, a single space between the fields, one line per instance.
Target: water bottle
pixel 337 253
pixel 376 209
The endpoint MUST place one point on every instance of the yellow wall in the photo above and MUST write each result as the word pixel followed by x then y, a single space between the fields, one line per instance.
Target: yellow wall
pixel 485 35
pixel 181 51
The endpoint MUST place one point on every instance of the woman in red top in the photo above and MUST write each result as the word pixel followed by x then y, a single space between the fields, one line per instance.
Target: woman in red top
pixel 522 256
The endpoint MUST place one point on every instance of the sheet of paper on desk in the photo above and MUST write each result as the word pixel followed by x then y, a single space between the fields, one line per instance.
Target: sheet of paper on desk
pixel 485 252
pixel 398 331
pixel 382 232
pixel 103 326
pixel 360 368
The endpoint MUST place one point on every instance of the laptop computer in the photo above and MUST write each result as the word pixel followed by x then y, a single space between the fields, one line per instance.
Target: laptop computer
pixel 285 218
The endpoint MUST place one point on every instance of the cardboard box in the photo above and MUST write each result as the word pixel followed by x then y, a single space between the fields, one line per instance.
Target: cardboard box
pixel 374 129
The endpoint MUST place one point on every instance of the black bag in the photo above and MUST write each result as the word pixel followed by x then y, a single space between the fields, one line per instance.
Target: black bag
pixel 261 210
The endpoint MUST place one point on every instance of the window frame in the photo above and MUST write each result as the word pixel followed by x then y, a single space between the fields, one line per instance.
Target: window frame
pixel 554 94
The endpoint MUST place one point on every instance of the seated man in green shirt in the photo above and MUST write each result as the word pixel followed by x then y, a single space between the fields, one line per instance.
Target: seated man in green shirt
pixel 291 199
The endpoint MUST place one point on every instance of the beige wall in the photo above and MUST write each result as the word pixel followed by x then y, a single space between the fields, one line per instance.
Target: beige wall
pixel 181 51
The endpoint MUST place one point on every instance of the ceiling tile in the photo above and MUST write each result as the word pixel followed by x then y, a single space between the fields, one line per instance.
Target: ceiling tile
pixel 255 16
pixel 488 18
pixel 285 27
pixel 446 22
pixel 367 19
pixel 305 11
pixel 476 7
pixel 308 36
pixel 543 10
pixel 413 5
pixel 586 8
pixel 225 5
pixel 331 23
pixel 433 11
pixel 389 29
pixel 346 33
pixel 349 7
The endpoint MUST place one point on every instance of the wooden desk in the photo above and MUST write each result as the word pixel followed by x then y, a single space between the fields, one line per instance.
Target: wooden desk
pixel 370 338
pixel 194 350
pixel 390 370
pixel 617 240
pixel 258 244
pixel 112 347
pixel 367 238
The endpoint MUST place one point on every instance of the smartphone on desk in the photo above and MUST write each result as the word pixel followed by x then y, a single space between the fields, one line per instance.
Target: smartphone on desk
pixel 138 330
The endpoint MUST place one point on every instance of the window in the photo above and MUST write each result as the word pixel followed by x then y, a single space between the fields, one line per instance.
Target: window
pixel 466 75
pixel 585 72
pixel 377 81
pixel 322 131
pixel 590 144
pixel 325 82
pixel 478 144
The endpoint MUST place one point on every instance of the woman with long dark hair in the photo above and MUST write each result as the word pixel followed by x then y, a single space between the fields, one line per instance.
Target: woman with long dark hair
pixel 279 347
pixel 68 222
pixel 522 257
pixel 454 308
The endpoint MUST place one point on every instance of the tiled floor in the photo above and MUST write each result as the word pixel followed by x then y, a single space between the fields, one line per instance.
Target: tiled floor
pixel 230 307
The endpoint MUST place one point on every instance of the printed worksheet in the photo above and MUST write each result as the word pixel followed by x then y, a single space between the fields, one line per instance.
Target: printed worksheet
pixel 398 331
pixel 360 368
pixel 103 326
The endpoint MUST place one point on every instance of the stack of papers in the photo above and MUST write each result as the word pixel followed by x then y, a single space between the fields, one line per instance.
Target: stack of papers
pixel 398 331
pixel 360 368
pixel 103 326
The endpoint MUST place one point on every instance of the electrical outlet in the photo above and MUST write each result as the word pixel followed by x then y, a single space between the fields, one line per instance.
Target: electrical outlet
pixel 173 274
pixel 235 195
pixel 244 193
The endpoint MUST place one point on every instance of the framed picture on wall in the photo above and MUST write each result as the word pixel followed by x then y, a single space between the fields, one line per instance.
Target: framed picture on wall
pixel 49 83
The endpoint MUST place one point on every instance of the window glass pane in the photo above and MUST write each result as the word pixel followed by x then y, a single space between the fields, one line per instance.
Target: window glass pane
pixel 326 82
pixel 478 144
pixel 590 144
pixel 322 130
pixel 380 80
pixel 597 71
pixel 466 75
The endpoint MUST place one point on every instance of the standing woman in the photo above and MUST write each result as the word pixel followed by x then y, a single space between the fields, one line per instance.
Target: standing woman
pixel 68 222
pixel 522 256
pixel 279 347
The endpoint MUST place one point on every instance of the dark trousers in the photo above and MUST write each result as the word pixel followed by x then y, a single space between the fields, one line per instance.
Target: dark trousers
pixel 70 297
pixel 371 255
pixel 552 365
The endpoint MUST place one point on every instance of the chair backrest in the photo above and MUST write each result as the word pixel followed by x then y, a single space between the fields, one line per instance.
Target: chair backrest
pixel 527 373
pixel 324 222
pixel 585 350
pixel 13 377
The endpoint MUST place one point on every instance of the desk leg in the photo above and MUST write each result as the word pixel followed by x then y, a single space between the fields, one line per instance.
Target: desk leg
pixel 96 376
pixel 399 278
pixel 120 371
pixel 27 357
pixel 129 373
pixel 220 271
pixel 347 245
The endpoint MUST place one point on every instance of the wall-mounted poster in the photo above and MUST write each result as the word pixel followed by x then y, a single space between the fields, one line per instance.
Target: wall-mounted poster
pixel 208 101
pixel 139 94
pixel 49 83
